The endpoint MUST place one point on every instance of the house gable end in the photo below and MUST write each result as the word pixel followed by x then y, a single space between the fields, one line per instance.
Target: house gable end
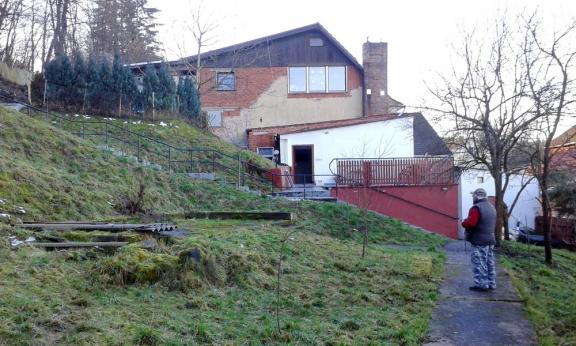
pixel 298 47
pixel 426 140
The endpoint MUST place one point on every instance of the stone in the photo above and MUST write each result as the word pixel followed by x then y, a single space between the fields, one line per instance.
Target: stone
pixel 149 244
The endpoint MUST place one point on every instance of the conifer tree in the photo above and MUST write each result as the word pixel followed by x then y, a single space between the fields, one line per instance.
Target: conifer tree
pixel 79 80
pixel 189 102
pixel 166 89
pixel 150 88
pixel 92 84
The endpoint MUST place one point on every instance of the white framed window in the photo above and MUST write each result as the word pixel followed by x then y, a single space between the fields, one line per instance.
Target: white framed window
pixel 297 79
pixel 480 180
pixel 267 152
pixel 214 117
pixel 225 81
pixel 317 79
pixel 336 78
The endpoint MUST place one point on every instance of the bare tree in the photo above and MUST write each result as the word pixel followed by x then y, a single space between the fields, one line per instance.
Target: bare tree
pixel 552 88
pixel 485 103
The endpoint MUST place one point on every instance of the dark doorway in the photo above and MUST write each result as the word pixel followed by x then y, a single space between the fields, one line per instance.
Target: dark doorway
pixel 302 159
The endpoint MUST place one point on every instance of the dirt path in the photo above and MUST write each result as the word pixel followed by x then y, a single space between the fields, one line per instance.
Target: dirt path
pixel 465 317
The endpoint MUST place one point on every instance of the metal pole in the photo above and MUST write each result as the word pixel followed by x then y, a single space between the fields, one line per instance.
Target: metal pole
pixel 83 130
pixel 138 150
pixel 191 162
pixel 106 134
pixel 45 88
pixel 239 170
pixel 213 161
pixel 153 106
pixel 169 159
pixel 84 102
pixel 304 186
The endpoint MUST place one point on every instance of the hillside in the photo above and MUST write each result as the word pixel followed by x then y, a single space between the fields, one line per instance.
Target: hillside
pixel 226 292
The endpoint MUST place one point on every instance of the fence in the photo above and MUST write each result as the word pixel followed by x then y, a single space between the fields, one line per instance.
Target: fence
pixel 396 171
pixel 149 151
pixel 562 229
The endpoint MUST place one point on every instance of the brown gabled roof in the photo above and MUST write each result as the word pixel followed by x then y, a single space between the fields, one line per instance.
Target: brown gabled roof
pixel 281 35
pixel 286 129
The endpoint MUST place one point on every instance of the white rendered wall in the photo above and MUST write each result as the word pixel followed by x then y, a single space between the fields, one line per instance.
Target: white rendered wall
pixel 391 138
pixel 527 207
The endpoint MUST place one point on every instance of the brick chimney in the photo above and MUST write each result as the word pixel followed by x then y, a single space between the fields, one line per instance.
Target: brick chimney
pixel 375 61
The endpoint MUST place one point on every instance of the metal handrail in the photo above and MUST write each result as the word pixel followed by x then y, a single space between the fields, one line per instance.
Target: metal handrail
pixel 109 134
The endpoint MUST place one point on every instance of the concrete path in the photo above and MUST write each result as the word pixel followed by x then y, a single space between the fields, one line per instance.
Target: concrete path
pixel 465 317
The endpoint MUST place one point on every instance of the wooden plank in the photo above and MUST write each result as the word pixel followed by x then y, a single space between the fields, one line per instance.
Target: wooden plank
pixel 110 227
pixel 80 244
pixel 240 215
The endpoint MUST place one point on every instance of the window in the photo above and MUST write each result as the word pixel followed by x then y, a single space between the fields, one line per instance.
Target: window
pixel 297 79
pixel 336 78
pixel 317 79
pixel 225 81
pixel 480 180
pixel 267 152
pixel 316 42
pixel 214 118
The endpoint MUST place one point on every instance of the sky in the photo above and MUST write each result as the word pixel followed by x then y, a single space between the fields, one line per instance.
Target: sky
pixel 421 34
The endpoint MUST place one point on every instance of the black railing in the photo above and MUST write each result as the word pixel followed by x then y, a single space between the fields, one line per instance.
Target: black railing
pixel 304 186
pixel 151 151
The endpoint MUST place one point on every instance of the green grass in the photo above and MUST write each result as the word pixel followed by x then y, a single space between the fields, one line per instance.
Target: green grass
pixel 53 175
pixel 329 295
pixel 549 291
pixel 131 296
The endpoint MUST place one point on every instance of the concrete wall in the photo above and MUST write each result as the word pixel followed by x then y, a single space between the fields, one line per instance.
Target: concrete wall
pixel 391 138
pixel 526 209
pixel 434 208
pixel 15 75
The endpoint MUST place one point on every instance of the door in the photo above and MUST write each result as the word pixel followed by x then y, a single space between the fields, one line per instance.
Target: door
pixel 303 163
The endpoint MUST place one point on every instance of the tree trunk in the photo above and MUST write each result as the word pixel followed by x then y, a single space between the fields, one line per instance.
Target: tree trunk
pixel 499 203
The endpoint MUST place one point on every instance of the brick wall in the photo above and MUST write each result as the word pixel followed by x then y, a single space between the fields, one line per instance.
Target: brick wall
pixel 250 84
pixel 375 62
pixel 260 139
pixel 434 208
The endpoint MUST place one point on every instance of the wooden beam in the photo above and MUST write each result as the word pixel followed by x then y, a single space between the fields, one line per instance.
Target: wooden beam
pixel 239 215
pixel 110 227
pixel 80 244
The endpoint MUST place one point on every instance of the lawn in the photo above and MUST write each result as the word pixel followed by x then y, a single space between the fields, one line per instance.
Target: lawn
pixel 549 291
pixel 216 286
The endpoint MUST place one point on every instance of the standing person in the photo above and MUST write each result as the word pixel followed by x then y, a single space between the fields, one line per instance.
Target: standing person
pixel 480 226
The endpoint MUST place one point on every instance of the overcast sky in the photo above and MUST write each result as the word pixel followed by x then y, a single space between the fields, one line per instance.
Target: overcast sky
pixel 420 33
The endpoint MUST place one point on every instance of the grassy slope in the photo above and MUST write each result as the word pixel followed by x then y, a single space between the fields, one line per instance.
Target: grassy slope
pixel 549 291
pixel 330 295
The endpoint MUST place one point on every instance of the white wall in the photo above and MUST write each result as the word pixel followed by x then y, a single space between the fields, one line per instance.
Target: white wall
pixel 392 138
pixel 526 208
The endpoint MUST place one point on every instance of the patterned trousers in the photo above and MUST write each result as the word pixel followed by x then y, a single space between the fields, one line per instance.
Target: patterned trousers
pixel 483 266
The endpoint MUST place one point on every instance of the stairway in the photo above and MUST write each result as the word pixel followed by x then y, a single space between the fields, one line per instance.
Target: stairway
pixel 309 192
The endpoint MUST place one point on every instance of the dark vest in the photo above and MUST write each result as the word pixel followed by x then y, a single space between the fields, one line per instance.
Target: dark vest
pixel 483 233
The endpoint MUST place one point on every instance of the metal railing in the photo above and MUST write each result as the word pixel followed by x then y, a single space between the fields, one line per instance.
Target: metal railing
pixel 150 151
pixel 304 186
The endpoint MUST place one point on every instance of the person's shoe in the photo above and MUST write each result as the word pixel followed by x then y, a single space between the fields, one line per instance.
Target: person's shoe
pixel 478 289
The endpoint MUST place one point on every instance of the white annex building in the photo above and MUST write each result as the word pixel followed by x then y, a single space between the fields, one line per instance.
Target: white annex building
pixel 527 206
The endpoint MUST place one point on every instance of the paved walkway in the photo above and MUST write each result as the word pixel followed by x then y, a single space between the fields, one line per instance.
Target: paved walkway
pixel 465 317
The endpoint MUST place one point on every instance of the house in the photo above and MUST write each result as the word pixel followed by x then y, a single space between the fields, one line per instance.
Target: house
pixel 299 76
pixel 522 195
pixel 310 149
pixel 563 150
